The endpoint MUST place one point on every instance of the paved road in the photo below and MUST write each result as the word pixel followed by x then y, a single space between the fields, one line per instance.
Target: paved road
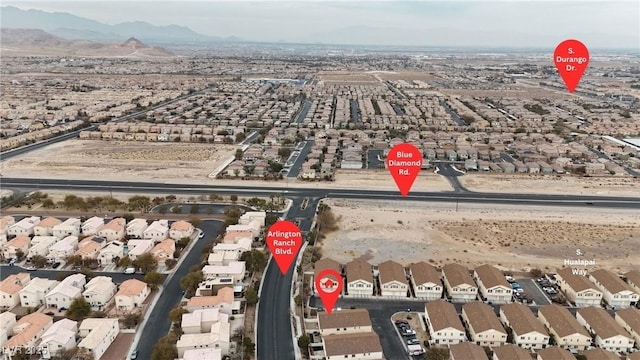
pixel 24 149
pixel 451 174
pixel 306 105
pixel 372 159
pixel 296 168
pixel 324 190
pixel 158 324
pixel 530 287
pixel 6 270
pixel 274 337
pixel 454 115
pixel 355 115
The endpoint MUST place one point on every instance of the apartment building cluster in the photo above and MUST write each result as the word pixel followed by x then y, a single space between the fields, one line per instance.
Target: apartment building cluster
pixel 206 325
pixel 345 334
pixel 37 330
pixel 106 243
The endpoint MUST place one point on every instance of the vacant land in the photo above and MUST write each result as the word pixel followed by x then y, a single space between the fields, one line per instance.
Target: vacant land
pixel 119 160
pixel 548 184
pixel 507 236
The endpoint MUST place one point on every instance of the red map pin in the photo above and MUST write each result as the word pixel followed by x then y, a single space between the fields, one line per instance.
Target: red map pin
pixel 571 58
pixel 329 286
pixel 284 239
pixel 404 163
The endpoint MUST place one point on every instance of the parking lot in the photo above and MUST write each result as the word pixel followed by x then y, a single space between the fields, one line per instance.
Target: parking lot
pixel 535 292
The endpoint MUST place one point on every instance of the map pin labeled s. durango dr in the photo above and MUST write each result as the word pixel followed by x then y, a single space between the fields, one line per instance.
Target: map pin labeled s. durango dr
pixel 404 163
pixel 284 239
pixel 571 58
pixel 329 287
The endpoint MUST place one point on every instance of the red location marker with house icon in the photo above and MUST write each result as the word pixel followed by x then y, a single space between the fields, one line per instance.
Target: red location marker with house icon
pixel 329 286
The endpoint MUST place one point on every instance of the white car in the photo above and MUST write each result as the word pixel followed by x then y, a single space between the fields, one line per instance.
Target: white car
pixel 201 235
pixel 129 270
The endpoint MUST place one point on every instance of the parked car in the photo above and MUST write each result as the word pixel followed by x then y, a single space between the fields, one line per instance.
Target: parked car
pixel 31 268
pixel 55 265
pixel 129 270
pixel 510 279
pixel 413 341
pixel 134 355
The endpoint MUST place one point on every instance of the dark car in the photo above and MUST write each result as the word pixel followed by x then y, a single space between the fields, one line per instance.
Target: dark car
pixel 55 265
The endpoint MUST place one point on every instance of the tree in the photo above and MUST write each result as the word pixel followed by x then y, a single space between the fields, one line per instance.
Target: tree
pixel 251 295
pixel 48 204
pixel 255 260
pixel 248 346
pixel 131 320
pixel 65 354
pixel 191 280
pixel 153 279
pixel 145 262
pixel 124 262
pixel 19 254
pixel 127 217
pixel 303 342
pixel 536 273
pixel 238 154
pixel 38 261
pixel 233 198
pixel 74 260
pixel 79 309
pixel 170 263
pixel 434 353
pixel 176 314
pixel 165 348
pixel 195 208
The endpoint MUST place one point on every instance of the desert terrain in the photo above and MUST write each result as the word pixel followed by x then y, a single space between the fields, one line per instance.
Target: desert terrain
pixel 551 184
pixel 509 237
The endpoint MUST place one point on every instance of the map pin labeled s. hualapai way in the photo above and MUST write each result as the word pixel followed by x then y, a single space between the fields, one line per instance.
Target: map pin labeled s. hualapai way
pixel 404 162
pixel 571 58
pixel 284 239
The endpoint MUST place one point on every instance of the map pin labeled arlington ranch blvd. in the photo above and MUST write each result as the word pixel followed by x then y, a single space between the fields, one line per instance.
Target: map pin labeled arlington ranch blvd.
pixel 284 239
pixel 571 58
pixel 404 162
pixel 329 287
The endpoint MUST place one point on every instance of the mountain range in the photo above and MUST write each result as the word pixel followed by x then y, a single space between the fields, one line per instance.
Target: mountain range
pixel 70 26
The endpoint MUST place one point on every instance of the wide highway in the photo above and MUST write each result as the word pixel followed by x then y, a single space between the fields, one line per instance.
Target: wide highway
pixel 31 184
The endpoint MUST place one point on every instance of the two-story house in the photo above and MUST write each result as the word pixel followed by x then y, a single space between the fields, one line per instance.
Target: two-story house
pixel 458 283
pixel 444 325
pixel 34 294
pixel 566 330
pixel 359 278
pixel 99 291
pixel 528 332
pixel 578 288
pixel 69 227
pixel 492 285
pixel 344 322
pixel 484 327
pixel 609 335
pixel 616 293
pixel 393 279
pixel 425 280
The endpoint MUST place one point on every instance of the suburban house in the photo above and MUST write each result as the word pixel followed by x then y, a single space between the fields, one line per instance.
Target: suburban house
pixel 26 332
pixel 97 335
pixel 157 231
pixel 99 291
pixel 528 332
pixel 136 228
pixel 92 225
pixel 223 254
pixel 45 226
pixel 19 244
pixel 24 227
pixel 322 265
pixel 35 293
pixel 40 246
pixel 467 351
pixel 393 279
pixel 566 330
pixel 89 248
pixel 7 321
pixel 253 227
pixel 459 283
pixel 633 279
pixel 223 301
pixel 114 230
pixel 217 338
pixel 629 319
pixel 600 354
pixel 199 354
pixel 492 285
pixel 5 222
pixel 578 289
pixel 425 280
pixel 63 248
pixel 616 293
pixel 131 294
pixel 66 291
pixel 60 336
pixel 363 346
pixel 230 274
pixel 484 327
pixel 444 325
pixel 554 353
pixel 137 247
pixel 69 227
pixel 181 229
pixel 10 290
pixel 609 335
pixel 112 252
pixel 359 278
pixel 510 352
pixel 200 321
pixel 344 322
pixel 233 236
pixel 164 250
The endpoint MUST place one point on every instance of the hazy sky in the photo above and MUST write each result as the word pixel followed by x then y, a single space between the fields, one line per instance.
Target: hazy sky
pixel 536 23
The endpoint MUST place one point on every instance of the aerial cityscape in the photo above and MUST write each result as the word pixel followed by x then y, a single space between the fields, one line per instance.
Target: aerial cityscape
pixel 320 180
